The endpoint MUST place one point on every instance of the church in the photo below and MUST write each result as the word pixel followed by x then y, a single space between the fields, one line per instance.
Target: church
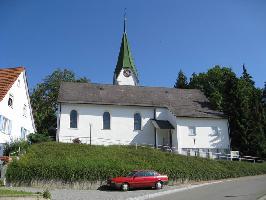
pixel 127 113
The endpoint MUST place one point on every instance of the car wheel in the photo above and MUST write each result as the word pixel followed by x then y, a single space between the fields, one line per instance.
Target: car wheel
pixel 124 187
pixel 158 185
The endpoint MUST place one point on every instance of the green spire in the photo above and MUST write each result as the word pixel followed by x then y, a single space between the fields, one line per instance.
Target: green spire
pixel 125 59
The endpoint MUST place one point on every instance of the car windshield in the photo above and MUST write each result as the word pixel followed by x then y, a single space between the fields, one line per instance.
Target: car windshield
pixel 131 174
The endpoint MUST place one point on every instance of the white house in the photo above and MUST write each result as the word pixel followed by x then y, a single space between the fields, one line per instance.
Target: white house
pixel 126 113
pixel 16 120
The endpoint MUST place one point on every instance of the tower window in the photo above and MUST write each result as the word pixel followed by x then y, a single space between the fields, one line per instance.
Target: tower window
pixel 73 119
pixel 106 120
pixel 137 121
pixel 10 100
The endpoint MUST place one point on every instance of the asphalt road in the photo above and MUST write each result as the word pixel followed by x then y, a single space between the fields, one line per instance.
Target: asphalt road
pixel 246 188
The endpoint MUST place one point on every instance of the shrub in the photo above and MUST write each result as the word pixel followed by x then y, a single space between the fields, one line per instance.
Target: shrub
pixel 38 138
pixel 16 148
pixel 76 141
pixel 81 162
pixel 46 194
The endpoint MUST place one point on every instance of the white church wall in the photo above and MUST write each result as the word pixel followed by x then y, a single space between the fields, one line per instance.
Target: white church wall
pixel 122 124
pixel 122 80
pixel 122 127
pixel 205 133
pixel 16 114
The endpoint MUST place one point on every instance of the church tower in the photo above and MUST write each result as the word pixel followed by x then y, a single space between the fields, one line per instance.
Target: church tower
pixel 125 72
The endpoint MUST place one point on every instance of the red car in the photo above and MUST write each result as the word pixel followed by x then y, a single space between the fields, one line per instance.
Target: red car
pixel 139 179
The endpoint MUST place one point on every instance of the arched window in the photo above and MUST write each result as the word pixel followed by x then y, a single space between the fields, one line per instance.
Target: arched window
pixel 73 119
pixel 106 120
pixel 137 121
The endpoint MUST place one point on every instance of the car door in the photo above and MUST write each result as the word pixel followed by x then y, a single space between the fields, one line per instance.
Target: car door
pixel 138 180
pixel 149 179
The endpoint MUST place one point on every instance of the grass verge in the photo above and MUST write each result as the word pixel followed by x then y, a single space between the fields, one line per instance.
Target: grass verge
pixel 4 192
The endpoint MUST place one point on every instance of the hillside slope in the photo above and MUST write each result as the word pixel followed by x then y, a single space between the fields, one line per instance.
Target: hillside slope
pixel 79 162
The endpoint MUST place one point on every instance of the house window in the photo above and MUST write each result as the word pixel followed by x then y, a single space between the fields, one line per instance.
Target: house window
pixel 5 125
pixel 214 130
pixel 191 130
pixel 106 120
pixel 137 121
pixel 73 119
pixel 23 133
pixel 10 100
pixel 24 110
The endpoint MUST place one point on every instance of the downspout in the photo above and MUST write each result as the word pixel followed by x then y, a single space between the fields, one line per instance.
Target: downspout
pixel 155 130
pixel 229 135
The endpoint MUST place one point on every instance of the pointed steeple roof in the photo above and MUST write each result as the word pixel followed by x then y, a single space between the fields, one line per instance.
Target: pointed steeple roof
pixel 125 59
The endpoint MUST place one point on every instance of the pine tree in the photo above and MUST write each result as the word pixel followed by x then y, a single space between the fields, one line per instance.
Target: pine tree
pixel 246 76
pixel 181 81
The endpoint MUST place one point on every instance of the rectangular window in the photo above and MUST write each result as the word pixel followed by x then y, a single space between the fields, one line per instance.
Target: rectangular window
pixel 191 130
pixel 24 133
pixel 5 125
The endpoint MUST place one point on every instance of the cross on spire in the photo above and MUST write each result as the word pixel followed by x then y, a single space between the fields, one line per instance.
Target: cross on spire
pixel 125 19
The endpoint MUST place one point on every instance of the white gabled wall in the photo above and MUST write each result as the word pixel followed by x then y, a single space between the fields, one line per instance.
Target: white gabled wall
pixel 15 114
pixel 204 137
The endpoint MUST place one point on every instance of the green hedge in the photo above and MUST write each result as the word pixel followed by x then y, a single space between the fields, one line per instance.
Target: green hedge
pixel 75 162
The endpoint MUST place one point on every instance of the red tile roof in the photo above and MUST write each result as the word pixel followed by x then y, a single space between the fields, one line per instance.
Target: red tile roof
pixel 7 78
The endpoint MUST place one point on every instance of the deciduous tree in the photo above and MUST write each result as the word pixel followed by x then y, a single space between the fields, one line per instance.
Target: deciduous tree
pixel 44 99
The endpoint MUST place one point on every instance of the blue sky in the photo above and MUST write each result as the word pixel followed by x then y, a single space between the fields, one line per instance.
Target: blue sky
pixel 165 36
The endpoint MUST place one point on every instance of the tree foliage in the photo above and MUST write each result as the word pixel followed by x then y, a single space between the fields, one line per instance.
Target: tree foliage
pixel 241 101
pixel 44 99
pixel 181 81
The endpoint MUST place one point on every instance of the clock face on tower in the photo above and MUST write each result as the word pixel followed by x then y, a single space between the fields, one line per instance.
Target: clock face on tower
pixel 127 73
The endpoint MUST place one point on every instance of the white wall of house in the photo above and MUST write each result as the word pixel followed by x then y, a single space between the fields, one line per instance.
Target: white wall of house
pixel 210 133
pixel 16 114
pixel 122 80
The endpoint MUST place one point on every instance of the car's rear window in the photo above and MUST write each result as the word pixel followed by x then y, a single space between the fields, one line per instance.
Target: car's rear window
pixel 149 173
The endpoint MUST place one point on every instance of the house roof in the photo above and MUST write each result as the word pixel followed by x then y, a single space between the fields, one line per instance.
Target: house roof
pixel 181 102
pixel 7 78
